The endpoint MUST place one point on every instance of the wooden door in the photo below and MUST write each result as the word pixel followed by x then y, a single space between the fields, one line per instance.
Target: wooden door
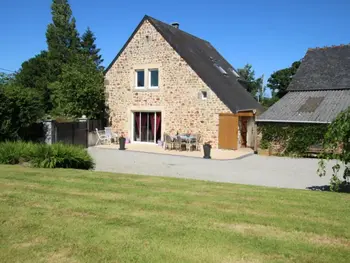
pixel 228 131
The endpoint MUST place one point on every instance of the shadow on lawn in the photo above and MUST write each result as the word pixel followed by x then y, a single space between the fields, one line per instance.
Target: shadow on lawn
pixel 326 188
pixel 344 188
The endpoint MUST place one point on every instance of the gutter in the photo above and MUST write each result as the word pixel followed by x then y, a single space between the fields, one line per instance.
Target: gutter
pixel 253 110
pixel 289 121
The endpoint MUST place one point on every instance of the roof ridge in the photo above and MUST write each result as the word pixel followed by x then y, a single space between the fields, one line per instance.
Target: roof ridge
pixel 150 17
pixel 328 47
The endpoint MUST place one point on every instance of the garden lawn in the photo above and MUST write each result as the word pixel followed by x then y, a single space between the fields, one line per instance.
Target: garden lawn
pixel 85 216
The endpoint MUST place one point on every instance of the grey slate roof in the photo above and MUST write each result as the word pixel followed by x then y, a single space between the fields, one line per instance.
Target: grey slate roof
pixel 201 56
pixel 323 69
pixel 308 106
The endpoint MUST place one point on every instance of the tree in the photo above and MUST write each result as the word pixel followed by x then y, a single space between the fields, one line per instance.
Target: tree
pixel 79 90
pixel 6 78
pixel 248 80
pixel 279 80
pixel 337 146
pixel 89 47
pixel 19 108
pixel 62 36
pixel 35 73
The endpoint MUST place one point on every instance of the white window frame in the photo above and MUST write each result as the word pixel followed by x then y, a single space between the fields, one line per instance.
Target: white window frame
pixel 149 78
pixel 136 79
pixel 202 95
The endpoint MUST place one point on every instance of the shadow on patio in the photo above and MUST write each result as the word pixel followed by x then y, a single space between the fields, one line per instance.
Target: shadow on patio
pixel 216 154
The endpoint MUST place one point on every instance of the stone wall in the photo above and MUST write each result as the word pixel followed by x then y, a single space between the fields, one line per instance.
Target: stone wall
pixel 178 96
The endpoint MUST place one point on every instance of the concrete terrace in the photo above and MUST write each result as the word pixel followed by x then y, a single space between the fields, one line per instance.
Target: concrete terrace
pixel 216 154
pixel 254 169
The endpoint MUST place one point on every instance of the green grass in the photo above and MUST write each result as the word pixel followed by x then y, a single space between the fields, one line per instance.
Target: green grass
pixel 65 215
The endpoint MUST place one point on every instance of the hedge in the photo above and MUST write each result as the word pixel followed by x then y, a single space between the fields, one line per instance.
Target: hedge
pixel 296 138
pixel 45 156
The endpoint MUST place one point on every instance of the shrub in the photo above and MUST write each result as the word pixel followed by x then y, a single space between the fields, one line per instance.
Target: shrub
pixel 295 138
pixel 15 152
pixel 45 156
pixel 337 146
pixel 61 156
pixel 19 108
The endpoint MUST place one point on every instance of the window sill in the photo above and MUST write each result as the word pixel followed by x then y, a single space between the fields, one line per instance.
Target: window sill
pixel 145 90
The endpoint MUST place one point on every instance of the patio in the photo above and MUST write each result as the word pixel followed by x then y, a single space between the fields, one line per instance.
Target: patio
pixel 216 154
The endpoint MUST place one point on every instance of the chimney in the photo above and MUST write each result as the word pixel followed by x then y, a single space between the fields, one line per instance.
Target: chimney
pixel 175 24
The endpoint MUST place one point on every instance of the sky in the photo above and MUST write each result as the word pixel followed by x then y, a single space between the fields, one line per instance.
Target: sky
pixel 270 35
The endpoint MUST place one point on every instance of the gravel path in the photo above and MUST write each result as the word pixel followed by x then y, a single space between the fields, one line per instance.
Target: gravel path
pixel 254 169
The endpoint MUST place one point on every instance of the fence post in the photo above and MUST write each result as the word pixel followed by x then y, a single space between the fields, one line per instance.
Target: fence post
pixel 49 131
pixel 84 119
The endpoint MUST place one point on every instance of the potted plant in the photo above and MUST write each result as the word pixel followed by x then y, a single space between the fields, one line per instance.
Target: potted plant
pixel 122 142
pixel 207 149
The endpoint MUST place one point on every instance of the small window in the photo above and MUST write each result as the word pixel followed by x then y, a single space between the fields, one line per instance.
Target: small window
pixel 153 78
pixel 140 79
pixel 220 69
pixel 235 72
pixel 204 95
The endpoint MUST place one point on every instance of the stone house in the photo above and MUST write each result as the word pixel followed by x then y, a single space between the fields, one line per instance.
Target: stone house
pixel 318 92
pixel 165 80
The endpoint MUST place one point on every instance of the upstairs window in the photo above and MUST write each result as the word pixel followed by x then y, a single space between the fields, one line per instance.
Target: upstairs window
pixel 153 78
pixel 235 73
pixel 220 69
pixel 140 79
pixel 204 95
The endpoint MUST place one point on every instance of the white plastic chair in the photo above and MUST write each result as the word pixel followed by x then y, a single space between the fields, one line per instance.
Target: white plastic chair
pixel 110 135
pixel 101 138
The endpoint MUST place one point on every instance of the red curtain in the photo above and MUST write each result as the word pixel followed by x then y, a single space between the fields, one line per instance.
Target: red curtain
pixel 158 119
pixel 143 119
pixel 137 118
pixel 152 122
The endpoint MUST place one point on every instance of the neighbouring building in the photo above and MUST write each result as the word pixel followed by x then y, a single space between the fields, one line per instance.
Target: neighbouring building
pixel 165 80
pixel 318 92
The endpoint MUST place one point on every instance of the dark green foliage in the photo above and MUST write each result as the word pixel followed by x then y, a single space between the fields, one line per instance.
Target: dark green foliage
pixel 296 138
pixel 19 108
pixel 6 78
pixel 61 156
pixel 45 156
pixel 248 80
pixel 89 48
pixel 268 102
pixel 280 79
pixel 337 146
pixel 62 36
pixel 62 81
pixel 36 74
pixel 79 90
pixel 15 152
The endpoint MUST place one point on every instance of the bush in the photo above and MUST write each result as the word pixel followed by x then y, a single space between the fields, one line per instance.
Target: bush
pixel 295 138
pixel 45 156
pixel 15 152
pixel 337 146
pixel 19 108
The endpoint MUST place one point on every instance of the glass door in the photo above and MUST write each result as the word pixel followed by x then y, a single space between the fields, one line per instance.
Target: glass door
pixel 147 126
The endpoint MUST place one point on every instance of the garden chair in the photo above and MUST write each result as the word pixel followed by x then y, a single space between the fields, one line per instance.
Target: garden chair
pixel 110 135
pixel 179 142
pixel 198 142
pixel 168 143
pixel 101 138
pixel 191 143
